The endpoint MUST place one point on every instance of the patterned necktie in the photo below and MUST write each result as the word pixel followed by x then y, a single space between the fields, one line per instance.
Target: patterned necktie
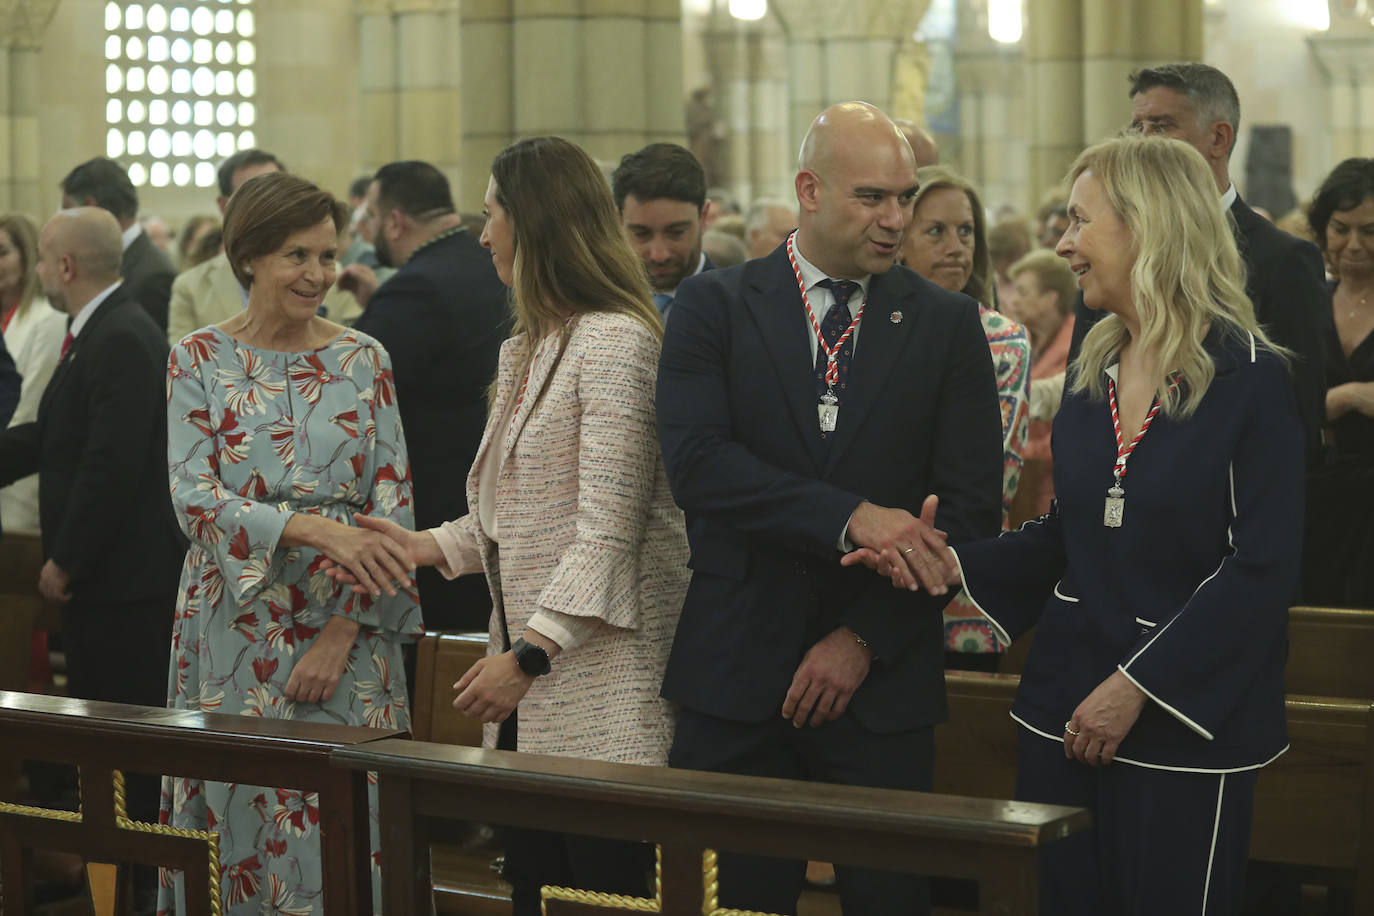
pixel 835 323
pixel 66 345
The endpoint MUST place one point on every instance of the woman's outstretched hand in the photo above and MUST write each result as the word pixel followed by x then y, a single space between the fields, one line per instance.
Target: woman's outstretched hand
pixel 411 548
pixel 916 556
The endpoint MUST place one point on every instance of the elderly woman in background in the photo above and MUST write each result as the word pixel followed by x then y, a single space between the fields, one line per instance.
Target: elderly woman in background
pixel 572 522
pixel 945 243
pixel 1045 293
pixel 1161 594
pixel 283 426
pixel 33 335
pixel 1340 512
pixel 199 240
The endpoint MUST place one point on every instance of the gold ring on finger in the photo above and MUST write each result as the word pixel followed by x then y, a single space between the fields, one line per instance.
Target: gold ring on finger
pixel 907 551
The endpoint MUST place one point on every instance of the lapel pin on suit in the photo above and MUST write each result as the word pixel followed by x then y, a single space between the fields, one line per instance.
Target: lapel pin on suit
pixel 895 318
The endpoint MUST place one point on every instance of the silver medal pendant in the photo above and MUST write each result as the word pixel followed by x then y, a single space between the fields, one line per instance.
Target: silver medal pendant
pixel 828 411
pixel 1115 508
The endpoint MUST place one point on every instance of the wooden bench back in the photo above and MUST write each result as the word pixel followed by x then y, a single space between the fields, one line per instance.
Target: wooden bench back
pixel 21 606
pixel 441 659
pixel 1313 806
pixel 1330 652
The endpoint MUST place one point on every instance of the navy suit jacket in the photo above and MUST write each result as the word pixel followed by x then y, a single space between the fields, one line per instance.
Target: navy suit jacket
pixel 442 317
pixel 766 499
pixel 1285 280
pixel 148 274
pixel 1189 597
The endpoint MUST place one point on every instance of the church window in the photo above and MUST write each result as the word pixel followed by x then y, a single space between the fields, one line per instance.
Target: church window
pixel 180 87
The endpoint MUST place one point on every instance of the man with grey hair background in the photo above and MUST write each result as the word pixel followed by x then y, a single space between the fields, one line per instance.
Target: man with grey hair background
pixel 1284 278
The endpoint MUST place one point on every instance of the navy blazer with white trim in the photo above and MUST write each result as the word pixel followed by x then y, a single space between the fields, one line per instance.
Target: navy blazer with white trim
pixel 1189 598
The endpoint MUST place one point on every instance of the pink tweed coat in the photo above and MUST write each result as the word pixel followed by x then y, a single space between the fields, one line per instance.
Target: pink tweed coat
pixel 588 527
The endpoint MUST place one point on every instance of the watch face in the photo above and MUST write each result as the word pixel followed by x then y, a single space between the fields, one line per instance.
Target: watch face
pixel 532 660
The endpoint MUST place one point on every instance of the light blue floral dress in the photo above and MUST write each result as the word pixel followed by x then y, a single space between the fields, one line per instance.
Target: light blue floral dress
pixel 254 436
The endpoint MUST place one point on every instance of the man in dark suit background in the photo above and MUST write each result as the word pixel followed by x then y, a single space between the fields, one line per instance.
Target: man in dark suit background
pixel 442 316
pixel 147 272
pixel 785 663
pixel 113 549
pixel 661 194
pixel 1284 277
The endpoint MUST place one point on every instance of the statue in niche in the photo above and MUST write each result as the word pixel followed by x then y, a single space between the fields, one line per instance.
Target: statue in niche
pixel 707 135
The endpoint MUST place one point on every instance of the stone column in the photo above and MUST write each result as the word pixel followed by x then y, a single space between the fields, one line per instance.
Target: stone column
pixel 1080 53
pixel 606 74
pixel 22 23
pixel 409 76
pixel 1347 68
pixel 992 151
pixel 750 146
pixel 1054 52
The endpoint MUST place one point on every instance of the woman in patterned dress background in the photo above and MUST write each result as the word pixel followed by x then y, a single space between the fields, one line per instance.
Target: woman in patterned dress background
pixel 282 426
pixel 947 244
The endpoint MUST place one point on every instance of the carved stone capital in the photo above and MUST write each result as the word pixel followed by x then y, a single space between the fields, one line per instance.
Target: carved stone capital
pixel 23 22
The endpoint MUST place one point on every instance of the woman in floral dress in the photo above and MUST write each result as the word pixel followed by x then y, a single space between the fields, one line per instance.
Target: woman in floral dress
pixel 947 244
pixel 282 425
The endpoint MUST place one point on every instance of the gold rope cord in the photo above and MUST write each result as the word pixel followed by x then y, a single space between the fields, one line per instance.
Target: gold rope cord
pixel 710 897
pixel 710 906
pixel 610 901
pixel 210 837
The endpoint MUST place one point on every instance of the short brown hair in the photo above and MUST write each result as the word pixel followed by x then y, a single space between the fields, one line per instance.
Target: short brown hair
pixel 266 210
pixel 1052 273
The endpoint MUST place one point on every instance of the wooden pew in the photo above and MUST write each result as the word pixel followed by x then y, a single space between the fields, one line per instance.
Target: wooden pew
pixel 1314 806
pixel 21 606
pixel 442 658
pixel 102 738
pixel 420 784
pixel 1330 652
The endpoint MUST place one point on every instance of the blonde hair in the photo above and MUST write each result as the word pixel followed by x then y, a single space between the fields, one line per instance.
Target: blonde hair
pixel 980 283
pixel 1187 276
pixel 24 237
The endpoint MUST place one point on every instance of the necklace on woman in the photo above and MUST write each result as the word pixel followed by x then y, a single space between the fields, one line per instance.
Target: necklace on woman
pixel 1355 310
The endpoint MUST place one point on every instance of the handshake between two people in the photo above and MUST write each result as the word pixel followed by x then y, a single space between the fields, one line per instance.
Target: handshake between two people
pixel 910 551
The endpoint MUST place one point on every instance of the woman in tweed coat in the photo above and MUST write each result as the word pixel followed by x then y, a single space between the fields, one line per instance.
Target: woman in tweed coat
pixel 572 520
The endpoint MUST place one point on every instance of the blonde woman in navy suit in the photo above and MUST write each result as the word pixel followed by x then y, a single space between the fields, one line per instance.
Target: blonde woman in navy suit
pixel 1160 580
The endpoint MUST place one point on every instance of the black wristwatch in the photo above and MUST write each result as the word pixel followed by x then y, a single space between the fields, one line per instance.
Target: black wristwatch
pixel 532 660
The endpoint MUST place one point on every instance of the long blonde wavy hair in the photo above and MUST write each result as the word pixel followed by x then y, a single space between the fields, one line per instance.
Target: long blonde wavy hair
pixel 1187 276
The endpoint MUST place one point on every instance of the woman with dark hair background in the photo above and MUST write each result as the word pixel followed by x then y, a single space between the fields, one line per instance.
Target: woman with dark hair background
pixel 1340 510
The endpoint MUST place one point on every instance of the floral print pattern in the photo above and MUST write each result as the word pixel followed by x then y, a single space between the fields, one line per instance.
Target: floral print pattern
pixel 255 436
pixel 965 629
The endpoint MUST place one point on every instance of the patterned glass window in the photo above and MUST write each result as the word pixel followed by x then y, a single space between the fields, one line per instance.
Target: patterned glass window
pixel 180 82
